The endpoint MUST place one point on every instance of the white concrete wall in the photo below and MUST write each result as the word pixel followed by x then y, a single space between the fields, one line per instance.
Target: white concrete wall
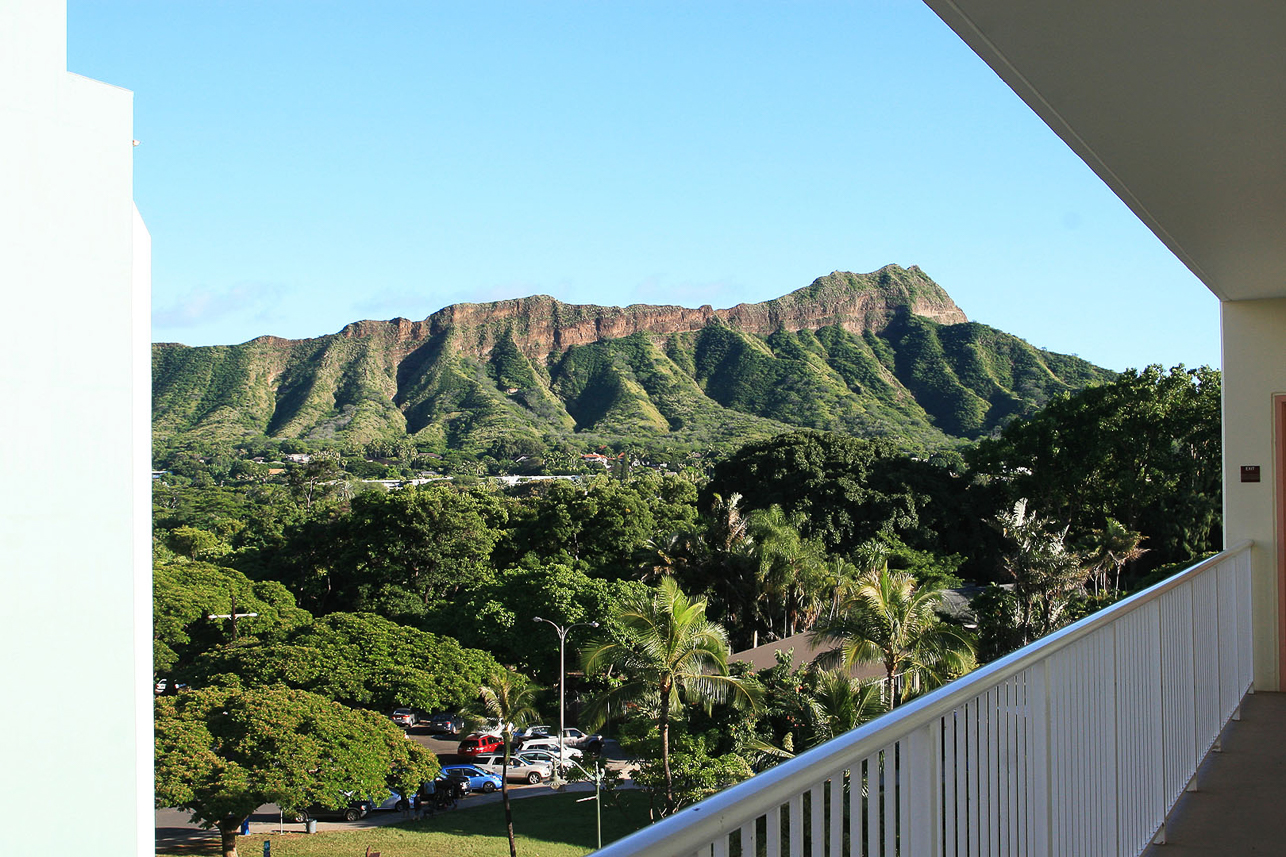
pixel 1254 371
pixel 75 743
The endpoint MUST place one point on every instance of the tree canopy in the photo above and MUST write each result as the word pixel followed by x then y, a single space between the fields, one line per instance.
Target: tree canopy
pixel 359 659
pixel 184 593
pixel 222 752
pixel 1143 450
pixel 848 491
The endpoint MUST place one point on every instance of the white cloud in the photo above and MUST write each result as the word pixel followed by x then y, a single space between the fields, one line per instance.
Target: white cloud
pixel 247 300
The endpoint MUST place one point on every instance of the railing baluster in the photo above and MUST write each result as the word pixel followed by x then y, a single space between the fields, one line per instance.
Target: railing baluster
pixel 817 805
pixel 962 782
pixel 920 773
pixel 797 826
pixel 1038 754
pixel 874 788
pixel 837 815
pixel 772 833
pixel 975 779
pixel 948 730
pixel 855 814
pixel 893 786
pixel 995 794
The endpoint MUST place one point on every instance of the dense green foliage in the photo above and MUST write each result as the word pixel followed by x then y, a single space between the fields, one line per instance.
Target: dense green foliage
pixel 184 593
pixel 359 659
pixel 848 491
pixel 375 595
pixel 1143 450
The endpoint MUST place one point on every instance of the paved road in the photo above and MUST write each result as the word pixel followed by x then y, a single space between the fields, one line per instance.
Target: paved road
pixel 173 826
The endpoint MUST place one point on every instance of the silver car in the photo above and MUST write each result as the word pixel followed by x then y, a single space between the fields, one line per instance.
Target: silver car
pixel 520 769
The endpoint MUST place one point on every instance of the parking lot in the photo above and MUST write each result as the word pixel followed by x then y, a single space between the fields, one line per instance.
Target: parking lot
pixel 173 826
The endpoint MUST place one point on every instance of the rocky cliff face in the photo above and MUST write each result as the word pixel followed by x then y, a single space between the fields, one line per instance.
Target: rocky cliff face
pixel 541 325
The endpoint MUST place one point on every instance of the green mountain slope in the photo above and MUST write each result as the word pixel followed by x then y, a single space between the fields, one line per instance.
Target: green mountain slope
pixel 886 354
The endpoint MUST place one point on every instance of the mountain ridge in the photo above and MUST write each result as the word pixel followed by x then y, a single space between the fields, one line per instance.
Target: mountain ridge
pixel 884 353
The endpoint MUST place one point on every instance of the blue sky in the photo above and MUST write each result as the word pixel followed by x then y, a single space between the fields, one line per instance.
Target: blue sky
pixel 307 164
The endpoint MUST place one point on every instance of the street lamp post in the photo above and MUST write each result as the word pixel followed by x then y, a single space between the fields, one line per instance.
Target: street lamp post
pixel 562 672
pixel 234 615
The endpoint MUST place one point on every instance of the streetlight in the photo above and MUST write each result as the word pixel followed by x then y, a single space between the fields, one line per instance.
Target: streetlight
pixel 234 615
pixel 597 798
pixel 562 671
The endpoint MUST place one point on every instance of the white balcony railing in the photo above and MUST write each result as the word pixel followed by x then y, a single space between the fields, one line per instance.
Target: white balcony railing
pixel 1076 745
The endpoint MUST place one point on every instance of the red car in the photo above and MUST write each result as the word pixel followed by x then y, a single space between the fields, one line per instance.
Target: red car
pixel 477 745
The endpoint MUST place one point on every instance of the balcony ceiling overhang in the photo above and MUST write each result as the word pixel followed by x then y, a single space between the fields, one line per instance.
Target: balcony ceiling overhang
pixel 1178 105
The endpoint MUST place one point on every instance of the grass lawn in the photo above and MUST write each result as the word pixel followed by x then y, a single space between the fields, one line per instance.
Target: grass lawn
pixel 554 826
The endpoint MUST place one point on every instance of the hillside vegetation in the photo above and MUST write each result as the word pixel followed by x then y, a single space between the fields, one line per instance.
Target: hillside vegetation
pixel 886 354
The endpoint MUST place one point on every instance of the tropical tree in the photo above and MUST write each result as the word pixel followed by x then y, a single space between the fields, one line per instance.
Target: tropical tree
pixel 357 659
pixel 840 702
pixel 890 621
pixel 792 577
pixel 509 699
pixel 713 558
pixel 185 593
pixel 1111 548
pixel 667 651
pixel 404 549
pixel 1143 449
pixel 222 752
pixel 1047 574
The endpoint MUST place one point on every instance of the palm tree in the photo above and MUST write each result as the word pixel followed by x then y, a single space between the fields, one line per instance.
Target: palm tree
pixel 508 699
pixel 890 621
pixel 1111 548
pixel 667 651
pixel 1047 573
pixel 791 570
pixel 843 573
pixel 840 703
pixel 728 531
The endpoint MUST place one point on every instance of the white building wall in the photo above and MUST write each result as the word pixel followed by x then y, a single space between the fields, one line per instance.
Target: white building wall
pixel 74 540
pixel 1254 371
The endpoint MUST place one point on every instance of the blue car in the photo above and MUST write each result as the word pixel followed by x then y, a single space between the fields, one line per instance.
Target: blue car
pixel 478 779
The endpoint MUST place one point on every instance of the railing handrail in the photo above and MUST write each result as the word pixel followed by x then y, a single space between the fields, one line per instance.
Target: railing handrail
pixel 690 828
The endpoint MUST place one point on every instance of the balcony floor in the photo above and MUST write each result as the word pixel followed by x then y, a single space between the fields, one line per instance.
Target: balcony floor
pixel 1240 803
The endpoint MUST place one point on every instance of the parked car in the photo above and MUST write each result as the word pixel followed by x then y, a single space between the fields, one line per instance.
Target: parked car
pixel 543 757
pixel 476 778
pixel 352 812
pixel 445 723
pixel 476 745
pixel 405 717
pixel 393 801
pixel 573 737
pixel 168 687
pixel 531 732
pixel 520 769
pixel 550 746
